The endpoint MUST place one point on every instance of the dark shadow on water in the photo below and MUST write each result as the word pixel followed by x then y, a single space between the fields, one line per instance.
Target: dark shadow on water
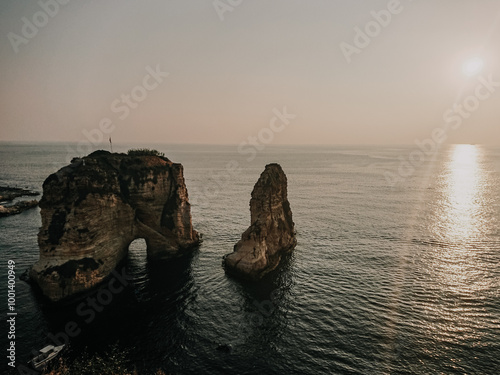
pixel 279 279
pixel 156 319
pixel 146 317
pixel 264 312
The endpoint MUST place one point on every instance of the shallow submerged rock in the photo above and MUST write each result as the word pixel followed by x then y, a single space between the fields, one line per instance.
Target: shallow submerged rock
pixel 271 234
pixel 94 208
pixel 17 208
pixel 8 194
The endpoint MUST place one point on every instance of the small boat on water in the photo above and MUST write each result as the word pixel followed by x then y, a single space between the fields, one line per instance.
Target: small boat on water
pixel 45 355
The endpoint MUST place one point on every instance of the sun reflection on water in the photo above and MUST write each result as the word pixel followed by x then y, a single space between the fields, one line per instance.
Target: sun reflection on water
pixel 456 264
pixel 461 202
pixel 456 271
pixel 459 220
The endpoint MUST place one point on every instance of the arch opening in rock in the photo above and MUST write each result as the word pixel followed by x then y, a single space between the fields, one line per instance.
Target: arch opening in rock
pixel 137 250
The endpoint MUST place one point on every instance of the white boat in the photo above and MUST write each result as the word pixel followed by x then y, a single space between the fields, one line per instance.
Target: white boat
pixel 45 355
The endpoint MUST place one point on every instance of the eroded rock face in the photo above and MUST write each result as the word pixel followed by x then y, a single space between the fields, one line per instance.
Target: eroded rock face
pixel 271 233
pixel 94 208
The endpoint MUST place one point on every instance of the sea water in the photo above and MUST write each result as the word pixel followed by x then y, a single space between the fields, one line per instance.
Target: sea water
pixel 386 278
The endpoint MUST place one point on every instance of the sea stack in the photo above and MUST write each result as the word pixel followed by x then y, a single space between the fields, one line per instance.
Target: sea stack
pixel 94 208
pixel 271 234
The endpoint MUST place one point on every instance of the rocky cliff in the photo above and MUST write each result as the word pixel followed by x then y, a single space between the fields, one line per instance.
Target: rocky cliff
pixel 271 233
pixel 94 208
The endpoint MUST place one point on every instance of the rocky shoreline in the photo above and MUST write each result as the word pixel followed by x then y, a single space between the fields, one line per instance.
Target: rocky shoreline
pixel 8 194
pixel 17 208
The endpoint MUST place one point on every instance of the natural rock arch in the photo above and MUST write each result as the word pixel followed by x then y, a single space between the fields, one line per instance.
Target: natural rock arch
pixel 93 209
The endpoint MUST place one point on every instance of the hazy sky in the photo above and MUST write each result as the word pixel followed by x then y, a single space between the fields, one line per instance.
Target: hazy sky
pixel 230 68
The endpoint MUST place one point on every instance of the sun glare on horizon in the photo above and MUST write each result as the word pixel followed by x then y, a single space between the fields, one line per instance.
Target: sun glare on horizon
pixel 472 66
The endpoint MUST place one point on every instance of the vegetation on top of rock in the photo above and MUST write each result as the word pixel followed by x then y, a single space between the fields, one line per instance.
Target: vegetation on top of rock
pixel 99 153
pixel 145 152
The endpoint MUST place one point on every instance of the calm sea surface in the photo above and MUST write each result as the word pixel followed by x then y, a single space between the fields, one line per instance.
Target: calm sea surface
pixel 384 280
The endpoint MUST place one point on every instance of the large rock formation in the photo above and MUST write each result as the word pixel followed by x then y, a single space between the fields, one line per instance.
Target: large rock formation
pixel 271 233
pixel 94 208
